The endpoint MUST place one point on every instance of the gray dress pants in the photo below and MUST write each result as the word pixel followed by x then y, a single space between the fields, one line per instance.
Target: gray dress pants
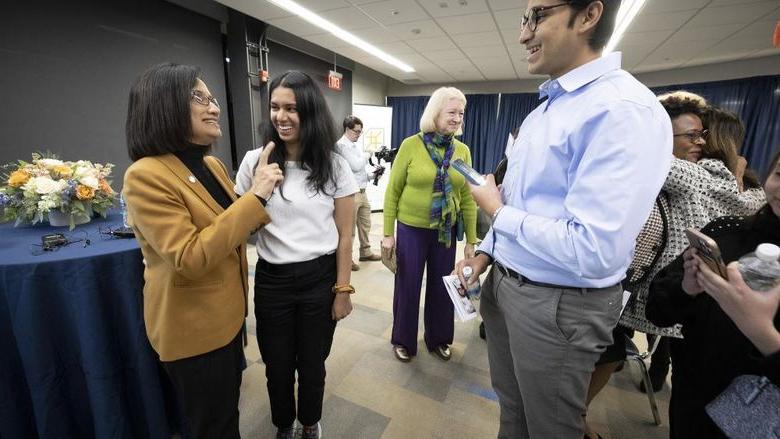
pixel 543 344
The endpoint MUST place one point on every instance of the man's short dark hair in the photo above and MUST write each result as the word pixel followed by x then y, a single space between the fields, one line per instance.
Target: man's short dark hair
pixel 677 106
pixel 350 122
pixel 158 110
pixel 606 24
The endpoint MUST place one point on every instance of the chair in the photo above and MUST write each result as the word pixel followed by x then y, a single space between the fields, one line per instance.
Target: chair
pixel 633 354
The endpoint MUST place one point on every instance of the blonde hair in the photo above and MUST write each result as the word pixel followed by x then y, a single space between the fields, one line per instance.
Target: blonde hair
pixel 436 104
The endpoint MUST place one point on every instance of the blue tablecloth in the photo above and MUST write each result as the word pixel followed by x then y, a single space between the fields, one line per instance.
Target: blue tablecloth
pixel 75 361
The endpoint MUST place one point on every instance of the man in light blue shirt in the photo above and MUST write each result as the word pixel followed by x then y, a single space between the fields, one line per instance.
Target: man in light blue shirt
pixel 582 177
pixel 347 147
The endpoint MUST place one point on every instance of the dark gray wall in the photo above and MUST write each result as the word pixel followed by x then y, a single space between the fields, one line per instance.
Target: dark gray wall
pixel 282 58
pixel 66 69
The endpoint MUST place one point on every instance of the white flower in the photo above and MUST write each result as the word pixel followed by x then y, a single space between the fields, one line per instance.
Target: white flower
pixel 89 180
pixel 50 163
pixel 46 204
pixel 44 185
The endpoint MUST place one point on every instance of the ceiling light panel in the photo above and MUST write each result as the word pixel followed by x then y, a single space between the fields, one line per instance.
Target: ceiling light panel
pixel 339 32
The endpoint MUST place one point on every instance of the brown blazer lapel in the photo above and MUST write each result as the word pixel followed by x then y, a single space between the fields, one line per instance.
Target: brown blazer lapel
pixel 183 173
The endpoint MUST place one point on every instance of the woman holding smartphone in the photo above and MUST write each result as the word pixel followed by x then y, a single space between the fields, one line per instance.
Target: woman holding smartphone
pixel 729 329
pixel 431 203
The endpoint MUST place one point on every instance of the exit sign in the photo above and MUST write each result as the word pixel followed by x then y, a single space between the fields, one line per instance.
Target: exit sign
pixel 334 80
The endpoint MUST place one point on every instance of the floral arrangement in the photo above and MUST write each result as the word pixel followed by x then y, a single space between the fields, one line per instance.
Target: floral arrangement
pixel 29 192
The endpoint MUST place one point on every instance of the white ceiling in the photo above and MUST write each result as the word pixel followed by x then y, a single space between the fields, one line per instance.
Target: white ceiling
pixel 475 40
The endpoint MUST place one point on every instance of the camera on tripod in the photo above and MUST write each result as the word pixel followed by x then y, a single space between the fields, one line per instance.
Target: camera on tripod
pixel 386 155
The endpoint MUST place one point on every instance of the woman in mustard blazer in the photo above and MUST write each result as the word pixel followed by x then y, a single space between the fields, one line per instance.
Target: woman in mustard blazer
pixel 192 230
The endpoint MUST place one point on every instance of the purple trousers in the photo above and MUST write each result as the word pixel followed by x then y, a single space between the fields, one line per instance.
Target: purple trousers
pixel 416 249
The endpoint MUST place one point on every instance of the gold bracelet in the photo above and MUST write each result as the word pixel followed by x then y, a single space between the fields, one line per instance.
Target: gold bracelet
pixel 346 288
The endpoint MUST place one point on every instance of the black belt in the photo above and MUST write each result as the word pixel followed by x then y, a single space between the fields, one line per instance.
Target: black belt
pixel 506 271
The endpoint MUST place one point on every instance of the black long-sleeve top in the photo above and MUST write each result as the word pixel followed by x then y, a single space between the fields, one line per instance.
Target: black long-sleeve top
pixel 714 351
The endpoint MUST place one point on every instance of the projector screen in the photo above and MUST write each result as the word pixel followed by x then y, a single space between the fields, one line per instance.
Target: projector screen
pixel 377 130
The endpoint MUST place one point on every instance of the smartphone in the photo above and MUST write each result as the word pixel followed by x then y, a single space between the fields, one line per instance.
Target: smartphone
pixel 708 251
pixel 470 173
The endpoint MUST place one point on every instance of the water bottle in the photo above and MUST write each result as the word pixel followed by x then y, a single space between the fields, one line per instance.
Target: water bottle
pixel 123 208
pixel 472 287
pixel 761 269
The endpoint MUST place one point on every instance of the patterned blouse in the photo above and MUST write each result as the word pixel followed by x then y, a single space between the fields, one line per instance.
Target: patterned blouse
pixel 696 193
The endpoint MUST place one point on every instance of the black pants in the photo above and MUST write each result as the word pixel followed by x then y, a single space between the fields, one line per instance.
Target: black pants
pixel 207 388
pixel 295 332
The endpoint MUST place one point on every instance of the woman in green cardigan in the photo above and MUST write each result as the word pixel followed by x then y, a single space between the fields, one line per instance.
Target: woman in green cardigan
pixel 433 206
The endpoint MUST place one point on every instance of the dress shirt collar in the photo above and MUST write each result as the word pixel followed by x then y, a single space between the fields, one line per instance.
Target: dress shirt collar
pixel 345 139
pixel 580 76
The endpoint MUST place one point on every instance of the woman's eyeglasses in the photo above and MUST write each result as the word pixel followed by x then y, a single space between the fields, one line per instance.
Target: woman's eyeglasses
pixel 694 135
pixel 204 100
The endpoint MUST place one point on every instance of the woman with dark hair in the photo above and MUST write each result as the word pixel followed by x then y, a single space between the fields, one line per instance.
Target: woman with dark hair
pixel 730 330
pixel 302 278
pixel 725 134
pixel 433 205
pixel 192 230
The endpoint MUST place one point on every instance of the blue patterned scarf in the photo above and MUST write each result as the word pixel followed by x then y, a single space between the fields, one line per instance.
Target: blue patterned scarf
pixel 443 211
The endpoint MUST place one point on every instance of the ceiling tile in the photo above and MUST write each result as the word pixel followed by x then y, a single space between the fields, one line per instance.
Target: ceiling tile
pixel 430 44
pixel 477 39
pixel 499 5
pixel 511 36
pixel 261 10
pixel 708 33
pixel 473 22
pixel 322 5
pixel 453 7
pixel 670 52
pixel 510 19
pixel 376 36
pixel 296 26
pixel 396 48
pixel 328 40
pixel 760 31
pixel 485 51
pixel 416 30
pixel 733 14
pixel 348 18
pixel 663 21
pixel 445 55
pixel 644 39
pixel 394 11
pixel 661 6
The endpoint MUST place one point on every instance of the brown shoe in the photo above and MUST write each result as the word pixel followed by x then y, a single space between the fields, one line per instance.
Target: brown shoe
pixel 355 267
pixel 443 352
pixel 402 354
pixel 371 257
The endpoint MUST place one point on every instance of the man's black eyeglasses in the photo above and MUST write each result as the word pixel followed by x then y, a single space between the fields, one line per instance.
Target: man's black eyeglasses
pixel 531 18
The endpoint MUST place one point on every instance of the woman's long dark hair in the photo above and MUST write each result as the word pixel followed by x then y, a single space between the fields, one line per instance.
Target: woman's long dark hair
pixel 317 129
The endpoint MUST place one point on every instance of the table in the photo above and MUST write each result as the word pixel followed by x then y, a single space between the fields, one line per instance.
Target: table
pixel 75 361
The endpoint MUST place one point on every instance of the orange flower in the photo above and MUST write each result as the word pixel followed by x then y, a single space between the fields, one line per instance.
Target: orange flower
pixel 105 187
pixel 18 178
pixel 84 192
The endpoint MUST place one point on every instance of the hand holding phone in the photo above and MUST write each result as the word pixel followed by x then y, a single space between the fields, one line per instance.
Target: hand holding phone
pixel 470 173
pixel 708 251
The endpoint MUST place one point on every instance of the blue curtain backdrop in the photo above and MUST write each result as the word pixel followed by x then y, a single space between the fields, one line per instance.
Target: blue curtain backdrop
pixel 512 111
pixel 479 126
pixel 406 116
pixel 756 100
